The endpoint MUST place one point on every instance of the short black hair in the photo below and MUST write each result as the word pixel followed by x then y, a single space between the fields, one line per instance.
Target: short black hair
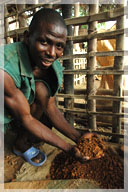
pixel 47 15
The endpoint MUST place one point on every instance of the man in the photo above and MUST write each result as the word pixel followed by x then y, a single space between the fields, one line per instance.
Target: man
pixel 32 76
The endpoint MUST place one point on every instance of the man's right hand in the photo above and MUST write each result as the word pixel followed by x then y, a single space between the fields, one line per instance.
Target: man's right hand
pixel 74 152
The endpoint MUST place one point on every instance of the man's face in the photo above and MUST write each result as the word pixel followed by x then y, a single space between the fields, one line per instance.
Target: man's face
pixel 46 44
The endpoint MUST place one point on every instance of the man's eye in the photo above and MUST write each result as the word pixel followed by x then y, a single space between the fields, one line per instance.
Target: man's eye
pixel 43 42
pixel 60 46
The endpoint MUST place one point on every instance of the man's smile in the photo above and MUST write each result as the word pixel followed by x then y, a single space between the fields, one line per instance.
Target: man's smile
pixel 47 62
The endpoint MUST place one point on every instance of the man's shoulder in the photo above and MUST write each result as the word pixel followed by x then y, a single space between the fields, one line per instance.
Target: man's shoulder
pixel 12 47
pixel 11 51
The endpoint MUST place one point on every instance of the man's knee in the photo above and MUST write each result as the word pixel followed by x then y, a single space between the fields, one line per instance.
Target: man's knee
pixel 42 92
pixel 41 98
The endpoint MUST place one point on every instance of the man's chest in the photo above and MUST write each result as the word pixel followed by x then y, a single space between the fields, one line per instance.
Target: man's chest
pixel 40 74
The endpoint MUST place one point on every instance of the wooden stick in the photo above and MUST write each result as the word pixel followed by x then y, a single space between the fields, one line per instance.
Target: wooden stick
pixel 118 65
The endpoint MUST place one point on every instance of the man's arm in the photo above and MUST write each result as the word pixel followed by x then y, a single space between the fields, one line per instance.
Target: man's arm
pixel 19 107
pixel 59 122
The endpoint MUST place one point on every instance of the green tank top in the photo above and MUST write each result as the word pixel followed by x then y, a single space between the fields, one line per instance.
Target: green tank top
pixel 17 65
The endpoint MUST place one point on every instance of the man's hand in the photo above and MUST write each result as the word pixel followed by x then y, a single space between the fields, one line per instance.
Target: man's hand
pixel 74 152
pixel 89 136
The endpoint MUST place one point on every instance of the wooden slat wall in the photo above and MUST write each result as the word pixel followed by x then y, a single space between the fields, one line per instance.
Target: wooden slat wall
pixel 92 111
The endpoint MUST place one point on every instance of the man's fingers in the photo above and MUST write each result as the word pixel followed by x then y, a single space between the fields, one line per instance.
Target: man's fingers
pixel 88 135
pixel 79 156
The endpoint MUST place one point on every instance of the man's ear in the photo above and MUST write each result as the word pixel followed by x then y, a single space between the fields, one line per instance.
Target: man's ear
pixel 26 37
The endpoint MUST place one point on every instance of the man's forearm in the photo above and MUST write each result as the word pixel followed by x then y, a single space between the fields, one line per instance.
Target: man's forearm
pixel 44 133
pixel 61 124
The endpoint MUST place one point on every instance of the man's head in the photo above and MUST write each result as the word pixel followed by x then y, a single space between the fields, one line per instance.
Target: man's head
pixel 46 37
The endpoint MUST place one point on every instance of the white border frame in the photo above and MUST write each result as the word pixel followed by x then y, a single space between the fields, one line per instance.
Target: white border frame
pixel 2 102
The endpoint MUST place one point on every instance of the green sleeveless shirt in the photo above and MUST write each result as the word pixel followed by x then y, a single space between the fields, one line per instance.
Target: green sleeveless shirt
pixel 17 65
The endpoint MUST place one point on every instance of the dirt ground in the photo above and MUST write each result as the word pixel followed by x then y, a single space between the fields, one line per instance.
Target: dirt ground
pixel 18 174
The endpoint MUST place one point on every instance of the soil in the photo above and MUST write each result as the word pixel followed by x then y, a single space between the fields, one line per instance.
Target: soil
pixel 107 171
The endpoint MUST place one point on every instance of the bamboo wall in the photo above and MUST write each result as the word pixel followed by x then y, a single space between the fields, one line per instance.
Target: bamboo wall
pixel 89 112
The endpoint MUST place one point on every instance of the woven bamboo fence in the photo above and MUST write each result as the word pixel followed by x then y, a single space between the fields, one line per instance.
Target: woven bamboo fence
pixel 87 112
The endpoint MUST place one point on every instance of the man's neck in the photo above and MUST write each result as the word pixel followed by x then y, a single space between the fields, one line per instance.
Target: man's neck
pixel 39 73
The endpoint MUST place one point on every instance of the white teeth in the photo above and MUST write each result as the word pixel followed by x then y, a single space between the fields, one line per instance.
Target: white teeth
pixel 47 62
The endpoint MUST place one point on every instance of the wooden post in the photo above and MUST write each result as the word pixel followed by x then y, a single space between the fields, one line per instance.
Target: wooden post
pixel 6 25
pixel 76 28
pixel 117 90
pixel 68 64
pixel 91 65
pixel 22 19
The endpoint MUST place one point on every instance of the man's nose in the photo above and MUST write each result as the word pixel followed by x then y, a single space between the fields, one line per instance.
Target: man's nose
pixel 51 51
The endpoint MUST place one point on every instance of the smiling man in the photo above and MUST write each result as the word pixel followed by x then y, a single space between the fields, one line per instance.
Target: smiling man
pixel 32 77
